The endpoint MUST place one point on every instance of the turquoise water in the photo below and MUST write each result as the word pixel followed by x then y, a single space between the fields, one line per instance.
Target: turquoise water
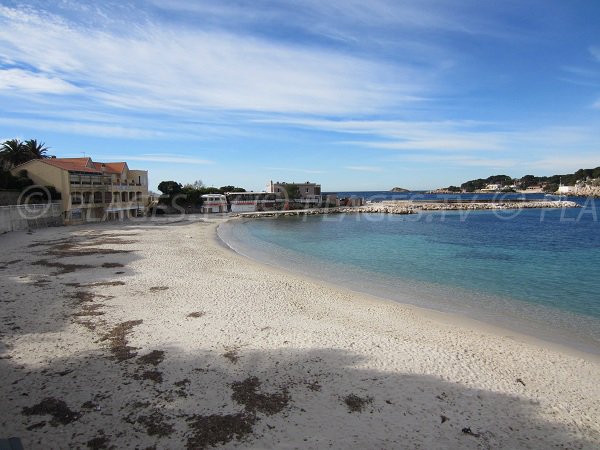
pixel 536 271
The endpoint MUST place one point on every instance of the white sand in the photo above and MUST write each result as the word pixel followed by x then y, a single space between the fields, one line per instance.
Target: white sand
pixel 419 377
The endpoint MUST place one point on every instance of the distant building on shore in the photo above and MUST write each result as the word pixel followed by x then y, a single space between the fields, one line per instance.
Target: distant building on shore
pixel 567 189
pixel 91 191
pixel 305 194
pixel 214 203
pixel 305 190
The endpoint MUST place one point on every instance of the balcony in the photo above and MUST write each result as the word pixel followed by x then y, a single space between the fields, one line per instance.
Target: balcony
pixel 89 180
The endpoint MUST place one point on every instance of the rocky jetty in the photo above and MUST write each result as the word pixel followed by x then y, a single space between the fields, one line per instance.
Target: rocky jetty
pixel 410 207
pixel 588 190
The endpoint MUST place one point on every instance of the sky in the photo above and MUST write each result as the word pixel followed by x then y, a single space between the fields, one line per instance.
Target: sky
pixel 355 95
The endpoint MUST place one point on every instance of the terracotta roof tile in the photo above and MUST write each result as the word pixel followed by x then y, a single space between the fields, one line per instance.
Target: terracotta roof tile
pixel 111 167
pixel 72 164
pixel 85 165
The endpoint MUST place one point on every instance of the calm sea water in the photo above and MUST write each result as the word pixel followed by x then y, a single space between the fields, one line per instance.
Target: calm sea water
pixel 535 271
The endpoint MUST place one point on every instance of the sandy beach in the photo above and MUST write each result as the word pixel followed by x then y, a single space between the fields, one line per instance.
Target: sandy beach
pixel 155 335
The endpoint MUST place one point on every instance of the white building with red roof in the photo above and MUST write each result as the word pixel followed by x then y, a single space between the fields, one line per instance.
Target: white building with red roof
pixel 91 191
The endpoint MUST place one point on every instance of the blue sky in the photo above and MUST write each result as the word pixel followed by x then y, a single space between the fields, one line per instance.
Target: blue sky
pixel 353 94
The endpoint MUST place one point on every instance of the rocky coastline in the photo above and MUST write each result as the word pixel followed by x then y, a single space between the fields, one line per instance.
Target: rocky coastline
pixel 410 207
pixel 587 191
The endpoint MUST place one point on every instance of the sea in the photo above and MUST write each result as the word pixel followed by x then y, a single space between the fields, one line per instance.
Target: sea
pixel 533 271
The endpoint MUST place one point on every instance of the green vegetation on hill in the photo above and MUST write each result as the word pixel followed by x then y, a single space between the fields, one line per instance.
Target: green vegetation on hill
pixel 548 184
pixel 480 183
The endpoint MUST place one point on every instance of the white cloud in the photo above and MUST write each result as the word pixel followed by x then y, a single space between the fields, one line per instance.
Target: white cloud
pixel 411 135
pixel 177 69
pixel 89 129
pixel 346 19
pixel 461 160
pixel 595 52
pixel 165 158
pixel 32 83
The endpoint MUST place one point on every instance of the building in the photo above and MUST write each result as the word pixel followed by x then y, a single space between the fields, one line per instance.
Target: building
pixel 213 203
pixel 492 187
pixel 300 194
pixel 305 190
pixel 91 191
pixel 567 189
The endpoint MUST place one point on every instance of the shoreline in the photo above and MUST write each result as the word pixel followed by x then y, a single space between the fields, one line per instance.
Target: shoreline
pixel 442 317
pixel 154 333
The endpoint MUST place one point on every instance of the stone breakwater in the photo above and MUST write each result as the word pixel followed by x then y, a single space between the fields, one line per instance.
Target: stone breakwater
pixel 588 191
pixel 409 207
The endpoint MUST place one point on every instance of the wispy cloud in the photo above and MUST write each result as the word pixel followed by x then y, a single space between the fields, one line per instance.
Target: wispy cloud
pixel 340 19
pixel 167 159
pixel 163 68
pixel 411 135
pixel 364 168
pixel 342 80
pixel 295 169
pixel 566 163
pixel 86 128
pixel 32 83
pixel 466 143
pixel 460 161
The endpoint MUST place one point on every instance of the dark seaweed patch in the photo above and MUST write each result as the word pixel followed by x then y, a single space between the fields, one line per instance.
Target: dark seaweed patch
pixel 58 409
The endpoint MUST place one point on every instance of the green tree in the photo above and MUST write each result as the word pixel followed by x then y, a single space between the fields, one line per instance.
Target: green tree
pixel 170 187
pixel 474 185
pixel 292 190
pixel 12 182
pixel 37 150
pixel 230 188
pixel 500 179
pixel 528 180
pixel 12 153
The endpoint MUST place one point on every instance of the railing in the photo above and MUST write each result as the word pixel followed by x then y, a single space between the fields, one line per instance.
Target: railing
pixel 89 180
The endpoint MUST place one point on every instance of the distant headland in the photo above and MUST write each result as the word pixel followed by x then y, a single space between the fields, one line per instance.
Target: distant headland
pixel 398 189
pixel 585 182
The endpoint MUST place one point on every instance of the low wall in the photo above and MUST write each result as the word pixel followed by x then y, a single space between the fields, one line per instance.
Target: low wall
pixel 25 217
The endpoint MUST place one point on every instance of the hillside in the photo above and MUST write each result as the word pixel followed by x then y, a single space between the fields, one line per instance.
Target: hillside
pixel 587 179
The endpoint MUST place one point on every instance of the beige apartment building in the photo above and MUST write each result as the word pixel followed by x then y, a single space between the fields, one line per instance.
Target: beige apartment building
pixel 306 190
pixel 91 191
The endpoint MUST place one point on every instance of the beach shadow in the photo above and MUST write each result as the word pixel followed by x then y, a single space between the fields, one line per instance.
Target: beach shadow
pixel 285 398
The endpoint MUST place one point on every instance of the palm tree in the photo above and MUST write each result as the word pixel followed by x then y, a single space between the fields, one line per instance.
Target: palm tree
pixel 12 154
pixel 36 149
